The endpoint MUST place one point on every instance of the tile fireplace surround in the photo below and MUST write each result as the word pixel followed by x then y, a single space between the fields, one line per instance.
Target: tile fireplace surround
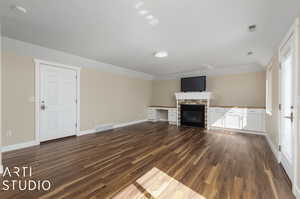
pixel 197 98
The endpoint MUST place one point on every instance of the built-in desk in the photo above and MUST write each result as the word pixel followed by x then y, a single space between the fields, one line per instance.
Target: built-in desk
pixel 162 113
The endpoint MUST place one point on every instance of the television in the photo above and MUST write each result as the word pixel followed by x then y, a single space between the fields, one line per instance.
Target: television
pixel 193 84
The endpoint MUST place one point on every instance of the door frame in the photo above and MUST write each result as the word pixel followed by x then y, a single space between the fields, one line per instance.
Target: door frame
pixel 38 63
pixel 294 34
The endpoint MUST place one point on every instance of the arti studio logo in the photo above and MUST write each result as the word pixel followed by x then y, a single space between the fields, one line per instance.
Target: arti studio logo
pixel 19 178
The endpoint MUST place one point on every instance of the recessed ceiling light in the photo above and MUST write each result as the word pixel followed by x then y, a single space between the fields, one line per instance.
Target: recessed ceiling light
pixel 250 53
pixel 149 17
pixel 143 12
pixel 139 4
pixel 161 54
pixel 19 9
pixel 252 28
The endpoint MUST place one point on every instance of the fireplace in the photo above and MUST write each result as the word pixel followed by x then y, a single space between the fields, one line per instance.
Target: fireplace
pixel 195 108
pixel 193 115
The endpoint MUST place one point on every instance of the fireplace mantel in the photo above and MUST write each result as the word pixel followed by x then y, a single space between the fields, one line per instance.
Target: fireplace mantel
pixel 193 96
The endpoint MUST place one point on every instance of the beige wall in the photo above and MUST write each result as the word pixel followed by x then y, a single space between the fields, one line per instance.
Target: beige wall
pixel 105 98
pixel 109 98
pixel 17 88
pixel 246 89
pixel 163 92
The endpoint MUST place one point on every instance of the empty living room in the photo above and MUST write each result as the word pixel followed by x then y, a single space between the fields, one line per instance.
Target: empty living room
pixel 137 99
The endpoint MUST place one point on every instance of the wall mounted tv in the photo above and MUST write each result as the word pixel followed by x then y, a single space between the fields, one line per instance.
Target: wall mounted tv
pixel 193 84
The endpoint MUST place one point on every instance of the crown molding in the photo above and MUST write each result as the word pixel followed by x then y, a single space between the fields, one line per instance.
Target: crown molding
pixel 27 49
pixel 214 72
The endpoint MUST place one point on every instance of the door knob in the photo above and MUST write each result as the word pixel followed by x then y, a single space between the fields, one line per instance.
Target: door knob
pixel 43 106
pixel 291 117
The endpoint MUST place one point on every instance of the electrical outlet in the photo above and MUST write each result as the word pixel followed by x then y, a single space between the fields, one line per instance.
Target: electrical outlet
pixel 9 133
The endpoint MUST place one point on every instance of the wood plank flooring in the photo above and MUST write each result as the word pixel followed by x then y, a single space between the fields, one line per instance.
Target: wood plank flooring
pixel 153 161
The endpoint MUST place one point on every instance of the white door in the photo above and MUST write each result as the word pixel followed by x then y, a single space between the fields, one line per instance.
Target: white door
pixel 58 102
pixel 286 114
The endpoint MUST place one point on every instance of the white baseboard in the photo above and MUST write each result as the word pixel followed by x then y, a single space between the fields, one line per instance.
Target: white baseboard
pixel 109 127
pixel 86 132
pixel 19 146
pixel 1 168
pixel 129 123
pixel 237 131
pixel 163 120
pixel 95 130
pixel 297 192
pixel 273 148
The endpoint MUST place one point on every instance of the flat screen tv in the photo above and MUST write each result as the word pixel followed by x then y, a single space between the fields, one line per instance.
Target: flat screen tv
pixel 193 84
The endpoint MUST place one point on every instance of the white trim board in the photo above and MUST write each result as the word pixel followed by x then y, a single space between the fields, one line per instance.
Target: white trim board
pixel 293 36
pixel 238 131
pixel 27 49
pixel 97 129
pixel 297 192
pixel 19 146
pixel 129 123
pixel 273 148
pixel 251 68
pixel 85 132
pixel 90 131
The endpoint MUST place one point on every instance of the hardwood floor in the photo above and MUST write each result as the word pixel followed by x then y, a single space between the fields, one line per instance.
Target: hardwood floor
pixel 153 161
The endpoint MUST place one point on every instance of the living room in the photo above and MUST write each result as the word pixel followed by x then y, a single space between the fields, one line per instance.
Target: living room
pixel 132 100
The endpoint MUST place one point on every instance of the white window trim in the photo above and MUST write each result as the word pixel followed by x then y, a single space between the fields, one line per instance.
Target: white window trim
pixel 269 89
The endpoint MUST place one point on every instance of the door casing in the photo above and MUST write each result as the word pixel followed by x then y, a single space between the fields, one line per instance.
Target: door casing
pixel 38 62
pixel 292 36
